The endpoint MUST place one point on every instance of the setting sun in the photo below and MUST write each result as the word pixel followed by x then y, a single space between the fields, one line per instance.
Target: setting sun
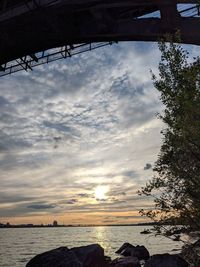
pixel 100 192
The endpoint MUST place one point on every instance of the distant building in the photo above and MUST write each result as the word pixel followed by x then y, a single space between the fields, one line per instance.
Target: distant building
pixel 55 223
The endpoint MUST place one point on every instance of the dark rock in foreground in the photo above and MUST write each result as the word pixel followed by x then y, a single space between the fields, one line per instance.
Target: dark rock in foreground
pixel 90 256
pixel 93 256
pixel 87 256
pixel 139 252
pixel 125 249
pixel 60 257
pixel 126 262
pixel 166 260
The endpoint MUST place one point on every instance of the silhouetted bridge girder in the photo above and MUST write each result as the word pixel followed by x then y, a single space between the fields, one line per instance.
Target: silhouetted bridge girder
pixel 27 27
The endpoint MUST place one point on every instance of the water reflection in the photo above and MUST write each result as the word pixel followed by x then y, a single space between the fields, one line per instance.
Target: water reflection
pixel 101 236
pixel 20 245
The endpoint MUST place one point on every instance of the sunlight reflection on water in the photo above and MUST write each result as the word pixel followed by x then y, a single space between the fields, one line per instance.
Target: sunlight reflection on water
pixel 18 246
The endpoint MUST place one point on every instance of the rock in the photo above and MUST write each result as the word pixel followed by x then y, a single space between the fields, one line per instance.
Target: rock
pixel 108 260
pixel 145 232
pixel 129 250
pixel 166 260
pixel 126 262
pixel 125 246
pixel 87 256
pixel 140 252
pixel 91 256
pixel 191 253
pixel 60 257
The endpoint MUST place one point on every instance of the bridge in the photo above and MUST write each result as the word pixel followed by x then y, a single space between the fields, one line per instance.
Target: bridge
pixel 29 28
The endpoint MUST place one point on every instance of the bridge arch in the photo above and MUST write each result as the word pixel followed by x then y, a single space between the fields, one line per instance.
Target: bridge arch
pixel 29 27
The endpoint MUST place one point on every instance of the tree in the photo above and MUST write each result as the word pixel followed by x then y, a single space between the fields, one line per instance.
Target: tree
pixel 175 185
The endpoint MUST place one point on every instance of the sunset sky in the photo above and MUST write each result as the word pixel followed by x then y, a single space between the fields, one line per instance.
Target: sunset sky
pixel 77 135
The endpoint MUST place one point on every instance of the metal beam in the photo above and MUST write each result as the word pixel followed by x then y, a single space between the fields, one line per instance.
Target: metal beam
pixel 84 21
pixel 34 57
pixel 24 7
pixel 49 56
pixel 152 30
pixel 129 2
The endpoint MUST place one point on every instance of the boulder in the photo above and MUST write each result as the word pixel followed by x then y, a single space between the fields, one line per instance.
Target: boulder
pixel 129 250
pixel 126 247
pixel 87 256
pixel 126 262
pixel 166 260
pixel 91 256
pixel 60 257
pixel 108 260
pixel 140 252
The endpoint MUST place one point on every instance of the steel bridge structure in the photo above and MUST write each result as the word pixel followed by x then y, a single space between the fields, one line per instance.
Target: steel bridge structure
pixel 33 32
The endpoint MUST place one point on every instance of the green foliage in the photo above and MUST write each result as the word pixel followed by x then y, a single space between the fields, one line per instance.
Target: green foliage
pixel 176 182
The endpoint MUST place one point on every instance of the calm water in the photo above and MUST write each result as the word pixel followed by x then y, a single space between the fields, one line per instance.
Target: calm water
pixel 18 246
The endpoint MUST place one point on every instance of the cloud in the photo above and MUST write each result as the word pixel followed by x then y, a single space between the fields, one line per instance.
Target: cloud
pixel 127 217
pixel 60 127
pixel 71 201
pixel 109 221
pixel 148 166
pixel 3 102
pixel 129 173
pixel 6 198
pixel 85 195
pixel 41 206
pixel 98 110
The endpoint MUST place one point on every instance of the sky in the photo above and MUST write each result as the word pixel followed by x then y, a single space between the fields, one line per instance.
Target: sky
pixel 79 137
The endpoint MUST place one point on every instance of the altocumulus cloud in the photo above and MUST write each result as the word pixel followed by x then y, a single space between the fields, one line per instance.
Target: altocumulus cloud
pixel 41 206
pixel 70 126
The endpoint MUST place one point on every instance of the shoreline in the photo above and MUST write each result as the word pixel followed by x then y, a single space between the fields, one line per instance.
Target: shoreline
pixel 78 225
pixel 128 256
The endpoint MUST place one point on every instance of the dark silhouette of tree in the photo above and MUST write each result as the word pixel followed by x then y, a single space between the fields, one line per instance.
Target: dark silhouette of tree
pixel 175 185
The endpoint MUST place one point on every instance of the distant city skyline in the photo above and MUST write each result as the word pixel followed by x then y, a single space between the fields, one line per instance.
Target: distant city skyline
pixel 31 225
pixel 79 137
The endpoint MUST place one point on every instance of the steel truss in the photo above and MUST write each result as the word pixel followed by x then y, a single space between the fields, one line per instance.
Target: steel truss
pixel 29 62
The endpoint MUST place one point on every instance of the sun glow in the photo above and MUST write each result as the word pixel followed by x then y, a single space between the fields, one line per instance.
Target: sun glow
pixel 100 192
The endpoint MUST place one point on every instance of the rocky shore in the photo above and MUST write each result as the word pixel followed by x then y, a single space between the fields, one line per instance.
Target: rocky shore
pixel 129 256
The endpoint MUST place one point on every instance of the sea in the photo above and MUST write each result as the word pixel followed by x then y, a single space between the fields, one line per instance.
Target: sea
pixel 19 245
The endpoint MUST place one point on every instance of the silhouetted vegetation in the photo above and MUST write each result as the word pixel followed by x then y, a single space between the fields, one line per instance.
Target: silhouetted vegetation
pixel 175 185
